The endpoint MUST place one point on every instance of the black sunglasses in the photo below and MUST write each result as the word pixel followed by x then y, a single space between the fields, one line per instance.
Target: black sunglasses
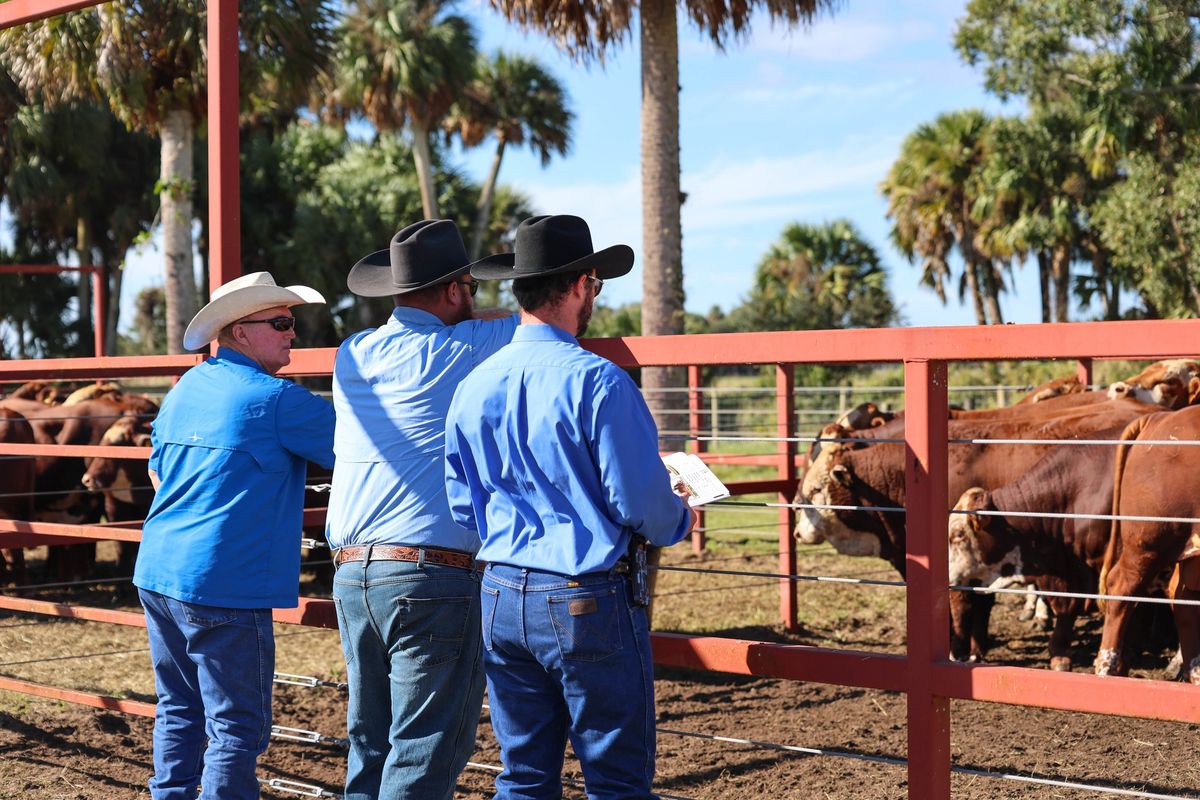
pixel 471 284
pixel 280 324
pixel 599 282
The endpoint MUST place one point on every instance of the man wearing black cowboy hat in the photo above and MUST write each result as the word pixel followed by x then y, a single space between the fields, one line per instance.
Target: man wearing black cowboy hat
pixel 552 457
pixel 406 586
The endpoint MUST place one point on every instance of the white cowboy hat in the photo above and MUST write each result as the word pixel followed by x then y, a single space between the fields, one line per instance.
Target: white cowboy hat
pixel 240 298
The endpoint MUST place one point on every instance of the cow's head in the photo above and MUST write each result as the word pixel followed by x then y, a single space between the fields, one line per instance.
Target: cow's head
pixel 982 553
pixel 830 481
pixel 119 476
pixel 1163 383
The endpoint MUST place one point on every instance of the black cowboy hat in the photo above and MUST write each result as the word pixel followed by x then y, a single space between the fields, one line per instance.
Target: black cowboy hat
pixel 423 254
pixel 551 244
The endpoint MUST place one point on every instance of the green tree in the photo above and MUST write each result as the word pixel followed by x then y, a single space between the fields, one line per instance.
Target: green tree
pixel 146 57
pixel 402 62
pixel 818 277
pixel 518 101
pixel 589 30
pixel 931 190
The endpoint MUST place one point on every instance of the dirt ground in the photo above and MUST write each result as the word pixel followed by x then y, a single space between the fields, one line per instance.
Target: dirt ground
pixel 52 750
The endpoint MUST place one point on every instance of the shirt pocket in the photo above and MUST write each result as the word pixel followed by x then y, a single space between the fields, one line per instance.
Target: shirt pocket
pixel 587 623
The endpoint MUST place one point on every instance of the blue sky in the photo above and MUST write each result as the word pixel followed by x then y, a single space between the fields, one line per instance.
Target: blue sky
pixel 782 127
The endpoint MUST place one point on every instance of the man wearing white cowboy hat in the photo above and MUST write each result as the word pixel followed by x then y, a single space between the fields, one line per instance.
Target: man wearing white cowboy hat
pixel 406 586
pixel 552 457
pixel 221 543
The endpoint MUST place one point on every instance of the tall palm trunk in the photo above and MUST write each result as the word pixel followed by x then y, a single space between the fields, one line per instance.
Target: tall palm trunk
pixel 83 251
pixel 115 277
pixel 1061 270
pixel 991 291
pixel 177 185
pixel 662 249
pixel 1043 260
pixel 483 208
pixel 970 273
pixel 423 160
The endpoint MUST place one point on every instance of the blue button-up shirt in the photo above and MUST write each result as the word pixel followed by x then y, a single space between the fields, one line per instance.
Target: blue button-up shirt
pixel 552 456
pixel 391 389
pixel 230 447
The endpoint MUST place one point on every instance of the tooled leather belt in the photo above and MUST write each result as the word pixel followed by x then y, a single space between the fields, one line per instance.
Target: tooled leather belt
pixel 392 552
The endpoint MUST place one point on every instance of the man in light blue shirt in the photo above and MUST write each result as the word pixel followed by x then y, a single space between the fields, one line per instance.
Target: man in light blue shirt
pixel 221 543
pixel 552 457
pixel 406 587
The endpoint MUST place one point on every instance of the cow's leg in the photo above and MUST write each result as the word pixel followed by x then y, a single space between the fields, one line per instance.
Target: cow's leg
pixel 1043 615
pixel 1061 638
pixel 981 614
pixel 1129 576
pixel 1030 608
pixel 960 626
pixel 14 564
pixel 1185 585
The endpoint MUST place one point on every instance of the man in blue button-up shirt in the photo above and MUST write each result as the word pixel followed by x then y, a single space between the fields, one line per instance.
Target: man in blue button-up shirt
pixel 221 543
pixel 406 586
pixel 552 457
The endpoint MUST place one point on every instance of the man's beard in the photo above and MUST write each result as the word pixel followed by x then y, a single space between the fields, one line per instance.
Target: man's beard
pixel 585 316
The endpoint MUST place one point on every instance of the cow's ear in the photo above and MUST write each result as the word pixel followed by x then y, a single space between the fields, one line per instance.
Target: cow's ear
pixel 1193 391
pixel 141 440
pixel 841 474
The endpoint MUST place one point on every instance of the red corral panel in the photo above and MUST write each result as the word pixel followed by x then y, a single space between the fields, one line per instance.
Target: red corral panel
pixel 18 12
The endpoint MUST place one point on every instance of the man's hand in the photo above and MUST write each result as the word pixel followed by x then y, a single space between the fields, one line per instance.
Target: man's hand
pixel 680 488
pixel 491 313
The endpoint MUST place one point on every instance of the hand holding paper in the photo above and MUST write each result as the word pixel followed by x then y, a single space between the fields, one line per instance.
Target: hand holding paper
pixel 699 484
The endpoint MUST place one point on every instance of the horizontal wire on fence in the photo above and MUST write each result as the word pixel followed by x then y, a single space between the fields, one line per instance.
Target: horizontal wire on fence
pixel 816 506
pixel 80 490
pixel 739 532
pixel 1074 595
pixel 1072 515
pixel 295 787
pixel 307 737
pixel 784 576
pixel 64 584
pixel 307 681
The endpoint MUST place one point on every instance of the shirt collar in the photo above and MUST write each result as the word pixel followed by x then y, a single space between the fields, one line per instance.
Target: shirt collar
pixel 415 316
pixel 542 332
pixel 229 354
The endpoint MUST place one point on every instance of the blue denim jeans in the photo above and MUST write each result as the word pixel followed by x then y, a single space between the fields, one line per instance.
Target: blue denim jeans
pixel 568 657
pixel 410 635
pixel 213 669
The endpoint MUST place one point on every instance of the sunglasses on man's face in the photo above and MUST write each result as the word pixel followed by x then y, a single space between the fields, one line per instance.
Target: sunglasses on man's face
pixel 597 282
pixel 472 286
pixel 280 324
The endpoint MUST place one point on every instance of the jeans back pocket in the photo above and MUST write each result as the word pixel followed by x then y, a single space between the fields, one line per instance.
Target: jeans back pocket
pixel 586 624
pixel 432 629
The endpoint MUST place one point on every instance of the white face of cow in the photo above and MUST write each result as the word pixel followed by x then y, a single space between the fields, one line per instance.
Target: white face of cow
pixel 816 525
pixel 1164 383
pixel 967 566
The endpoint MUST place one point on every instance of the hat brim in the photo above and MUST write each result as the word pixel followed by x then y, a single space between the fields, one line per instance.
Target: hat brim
pixel 209 321
pixel 372 276
pixel 611 262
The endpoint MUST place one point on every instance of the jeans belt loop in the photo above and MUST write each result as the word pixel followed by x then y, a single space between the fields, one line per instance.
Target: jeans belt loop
pixel 367 555
pixel 420 558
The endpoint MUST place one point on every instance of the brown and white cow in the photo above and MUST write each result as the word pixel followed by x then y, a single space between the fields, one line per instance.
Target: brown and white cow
pixel 124 483
pixel 1005 547
pixel 859 473
pixel 1057 387
pixel 1163 383
pixel 1154 480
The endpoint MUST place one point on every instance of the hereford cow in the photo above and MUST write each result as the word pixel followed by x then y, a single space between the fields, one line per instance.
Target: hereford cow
pixel 857 473
pixel 1052 554
pixel 124 483
pixel 1067 384
pixel 1163 383
pixel 1154 480
pixel 16 491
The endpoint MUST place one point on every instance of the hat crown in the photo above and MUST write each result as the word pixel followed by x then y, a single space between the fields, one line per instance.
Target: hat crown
pixel 552 241
pixel 425 251
pixel 242 282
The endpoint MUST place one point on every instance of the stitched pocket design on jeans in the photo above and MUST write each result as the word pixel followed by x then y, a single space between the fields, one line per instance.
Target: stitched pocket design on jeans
pixel 586 624
pixel 209 616
pixel 432 629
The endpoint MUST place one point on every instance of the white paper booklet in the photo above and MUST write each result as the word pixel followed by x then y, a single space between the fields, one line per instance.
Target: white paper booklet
pixel 695 474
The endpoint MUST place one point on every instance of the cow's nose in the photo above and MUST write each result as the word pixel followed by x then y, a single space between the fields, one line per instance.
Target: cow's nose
pixel 89 482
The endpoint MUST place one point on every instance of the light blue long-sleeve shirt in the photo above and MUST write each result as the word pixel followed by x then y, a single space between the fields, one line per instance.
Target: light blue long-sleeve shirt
pixel 552 457
pixel 230 447
pixel 392 387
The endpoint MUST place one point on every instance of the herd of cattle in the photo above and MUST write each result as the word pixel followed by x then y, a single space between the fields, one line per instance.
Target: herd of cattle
pixel 1120 453
pixel 1011 524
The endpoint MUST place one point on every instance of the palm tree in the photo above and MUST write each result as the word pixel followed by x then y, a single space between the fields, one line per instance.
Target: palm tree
pixel 147 57
pixel 404 62
pixel 518 101
pixel 588 30
pixel 932 189
pixel 819 277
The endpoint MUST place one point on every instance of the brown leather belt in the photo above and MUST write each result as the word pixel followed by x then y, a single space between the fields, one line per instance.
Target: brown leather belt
pixel 392 552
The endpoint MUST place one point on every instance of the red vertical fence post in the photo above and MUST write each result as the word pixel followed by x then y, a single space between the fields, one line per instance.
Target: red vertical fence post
pixel 785 426
pixel 696 446
pixel 100 312
pixel 925 478
pixel 1084 371
pixel 224 185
